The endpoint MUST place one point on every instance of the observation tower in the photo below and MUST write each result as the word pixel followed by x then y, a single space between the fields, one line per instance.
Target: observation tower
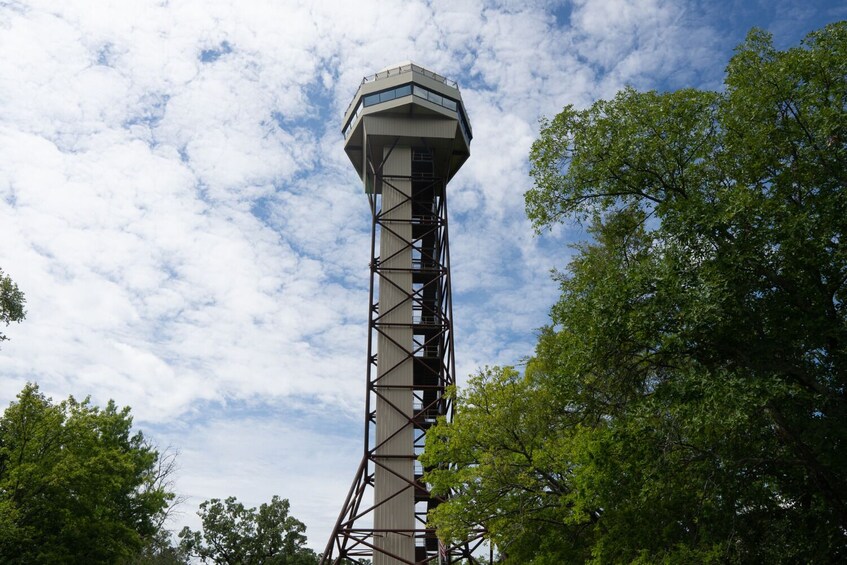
pixel 406 133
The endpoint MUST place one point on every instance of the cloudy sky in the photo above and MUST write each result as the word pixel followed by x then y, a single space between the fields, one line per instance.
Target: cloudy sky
pixel 192 241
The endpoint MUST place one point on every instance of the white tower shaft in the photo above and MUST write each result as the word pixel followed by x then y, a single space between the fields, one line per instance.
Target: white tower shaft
pixel 394 453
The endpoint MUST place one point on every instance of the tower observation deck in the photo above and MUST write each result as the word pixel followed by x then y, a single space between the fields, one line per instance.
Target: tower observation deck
pixel 406 133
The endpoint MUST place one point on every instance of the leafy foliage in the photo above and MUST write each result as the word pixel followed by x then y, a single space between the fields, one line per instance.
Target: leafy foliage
pixel 688 402
pixel 506 470
pixel 159 550
pixel 233 534
pixel 76 485
pixel 11 302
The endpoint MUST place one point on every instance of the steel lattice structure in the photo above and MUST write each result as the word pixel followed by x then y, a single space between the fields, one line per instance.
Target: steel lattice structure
pixel 406 147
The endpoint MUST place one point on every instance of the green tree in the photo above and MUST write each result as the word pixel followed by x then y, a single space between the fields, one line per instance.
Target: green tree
pixel 504 461
pixel 159 550
pixel 235 535
pixel 687 404
pixel 11 302
pixel 76 484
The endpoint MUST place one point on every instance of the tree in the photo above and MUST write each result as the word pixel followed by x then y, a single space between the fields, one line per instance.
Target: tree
pixel 11 302
pixel 503 459
pixel 687 404
pixel 235 535
pixel 75 483
pixel 159 550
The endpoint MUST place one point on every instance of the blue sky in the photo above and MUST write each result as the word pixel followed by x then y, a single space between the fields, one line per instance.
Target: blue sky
pixel 192 241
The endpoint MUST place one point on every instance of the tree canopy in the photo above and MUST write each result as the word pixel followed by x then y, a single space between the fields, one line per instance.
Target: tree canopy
pixel 76 484
pixel 11 302
pixel 235 535
pixel 687 403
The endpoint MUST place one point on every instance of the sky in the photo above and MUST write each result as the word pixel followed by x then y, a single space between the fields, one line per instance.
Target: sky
pixel 176 204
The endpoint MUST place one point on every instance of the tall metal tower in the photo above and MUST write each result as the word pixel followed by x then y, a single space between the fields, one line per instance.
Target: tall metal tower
pixel 406 133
